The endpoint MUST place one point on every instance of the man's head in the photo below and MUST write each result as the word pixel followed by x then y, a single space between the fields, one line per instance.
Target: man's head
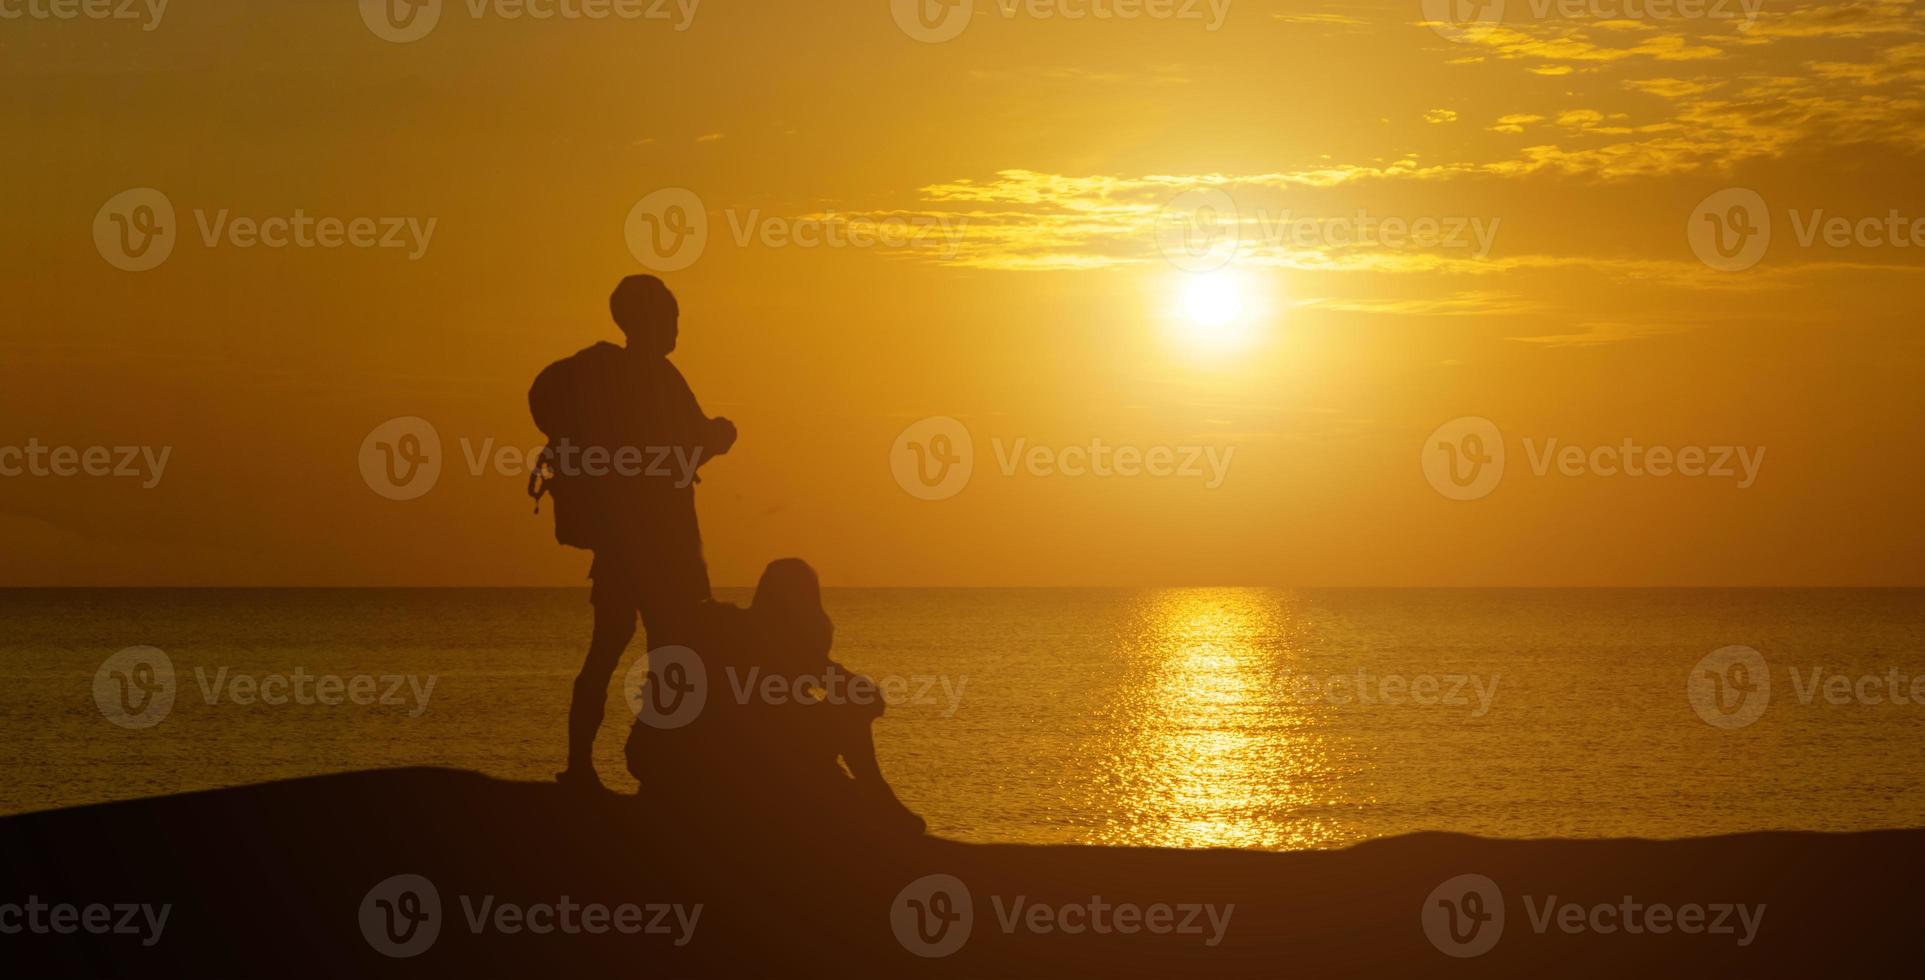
pixel 647 313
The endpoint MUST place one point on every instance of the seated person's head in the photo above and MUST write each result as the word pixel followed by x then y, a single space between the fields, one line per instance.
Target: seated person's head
pixel 789 601
pixel 647 313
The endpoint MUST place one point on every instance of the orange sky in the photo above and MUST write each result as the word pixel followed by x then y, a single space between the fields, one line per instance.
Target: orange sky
pixel 1052 150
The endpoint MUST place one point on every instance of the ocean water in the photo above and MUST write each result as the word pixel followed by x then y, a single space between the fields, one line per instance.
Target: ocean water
pixel 1182 717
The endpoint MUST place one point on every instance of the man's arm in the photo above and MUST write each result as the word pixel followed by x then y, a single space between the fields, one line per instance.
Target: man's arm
pixel 709 437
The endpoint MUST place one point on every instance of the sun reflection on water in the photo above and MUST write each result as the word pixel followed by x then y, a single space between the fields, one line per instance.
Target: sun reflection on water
pixel 1200 748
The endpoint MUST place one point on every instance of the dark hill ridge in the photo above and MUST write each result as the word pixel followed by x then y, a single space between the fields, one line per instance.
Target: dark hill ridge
pixel 277 880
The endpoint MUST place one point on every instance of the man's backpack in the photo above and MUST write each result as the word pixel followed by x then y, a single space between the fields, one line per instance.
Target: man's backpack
pixel 574 401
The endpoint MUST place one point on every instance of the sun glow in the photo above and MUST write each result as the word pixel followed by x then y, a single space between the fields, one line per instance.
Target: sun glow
pixel 1215 306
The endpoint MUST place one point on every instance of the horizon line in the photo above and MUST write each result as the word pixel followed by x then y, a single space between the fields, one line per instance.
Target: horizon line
pixel 984 588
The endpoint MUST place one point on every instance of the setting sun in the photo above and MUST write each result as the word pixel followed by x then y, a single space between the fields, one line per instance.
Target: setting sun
pixel 1215 306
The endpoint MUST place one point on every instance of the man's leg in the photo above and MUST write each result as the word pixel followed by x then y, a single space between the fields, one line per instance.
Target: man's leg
pixel 673 597
pixel 614 628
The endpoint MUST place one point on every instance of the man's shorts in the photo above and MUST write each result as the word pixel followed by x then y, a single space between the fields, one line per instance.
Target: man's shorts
pixel 648 582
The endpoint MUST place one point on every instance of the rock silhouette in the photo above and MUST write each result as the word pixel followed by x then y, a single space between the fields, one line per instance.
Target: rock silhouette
pixel 273 878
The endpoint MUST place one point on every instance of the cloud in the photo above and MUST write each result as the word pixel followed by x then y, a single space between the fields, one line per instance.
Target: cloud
pixel 1557 43
pixel 1137 75
pixel 1670 88
pixel 1847 20
pixel 1343 20
pixel 1646 106
pixel 1598 332
pixel 1515 122
pixel 1461 303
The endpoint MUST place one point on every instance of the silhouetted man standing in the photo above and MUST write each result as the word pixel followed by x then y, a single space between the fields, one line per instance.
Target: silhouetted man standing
pixel 644 436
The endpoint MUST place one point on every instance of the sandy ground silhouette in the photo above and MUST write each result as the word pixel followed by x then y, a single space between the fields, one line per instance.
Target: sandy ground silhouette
pixel 275 879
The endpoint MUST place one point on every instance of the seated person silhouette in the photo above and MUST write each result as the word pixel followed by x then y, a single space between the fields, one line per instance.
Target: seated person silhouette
pixel 798 749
